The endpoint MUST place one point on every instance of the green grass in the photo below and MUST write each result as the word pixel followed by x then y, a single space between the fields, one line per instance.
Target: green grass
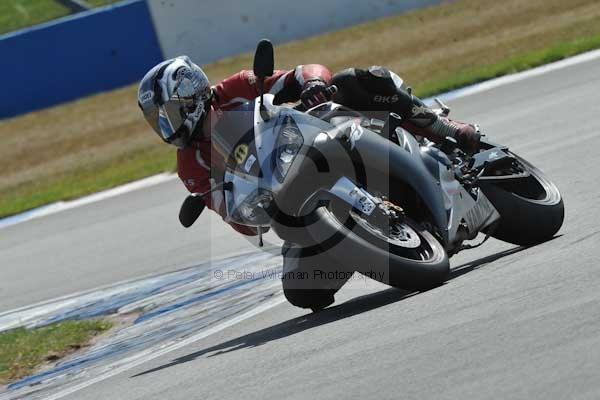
pixel 22 351
pixel 90 179
pixel 100 3
pixel 511 65
pixel 17 14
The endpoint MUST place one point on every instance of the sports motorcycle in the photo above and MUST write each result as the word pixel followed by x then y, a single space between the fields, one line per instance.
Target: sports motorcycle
pixel 371 195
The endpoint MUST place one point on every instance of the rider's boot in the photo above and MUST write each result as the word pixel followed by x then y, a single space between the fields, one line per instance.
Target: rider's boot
pixel 436 128
pixel 467 136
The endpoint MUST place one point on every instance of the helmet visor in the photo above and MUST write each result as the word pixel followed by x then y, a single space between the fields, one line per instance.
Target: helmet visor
pixel 167 129
pixel 169 119
pixel 185 105
pixel 173 114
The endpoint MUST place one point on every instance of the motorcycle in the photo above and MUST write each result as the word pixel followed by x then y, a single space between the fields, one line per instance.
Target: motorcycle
pixel 372 196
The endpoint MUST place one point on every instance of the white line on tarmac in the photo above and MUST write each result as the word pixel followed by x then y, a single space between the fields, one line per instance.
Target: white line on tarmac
pixel 160 350
pixel 520 76
pixel 96 197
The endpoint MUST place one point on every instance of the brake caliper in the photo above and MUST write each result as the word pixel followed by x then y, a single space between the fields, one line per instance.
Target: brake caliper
pixel 386 214
pixel 393 207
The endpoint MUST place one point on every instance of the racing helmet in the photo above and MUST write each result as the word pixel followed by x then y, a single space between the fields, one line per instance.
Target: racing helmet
pixel 175 97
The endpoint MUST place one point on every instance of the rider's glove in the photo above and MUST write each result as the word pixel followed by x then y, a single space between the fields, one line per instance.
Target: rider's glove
pixel 314 93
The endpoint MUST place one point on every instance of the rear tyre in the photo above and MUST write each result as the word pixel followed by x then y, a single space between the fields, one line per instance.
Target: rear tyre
pixel 531 208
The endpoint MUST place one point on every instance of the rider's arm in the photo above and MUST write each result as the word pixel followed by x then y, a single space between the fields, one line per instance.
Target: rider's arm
pixel 288 85
pixel 285 85
pixel 193 170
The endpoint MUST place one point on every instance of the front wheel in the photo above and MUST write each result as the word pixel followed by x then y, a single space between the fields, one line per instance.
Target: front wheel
pixel 531 208
pixel 315 299
pixel 399 253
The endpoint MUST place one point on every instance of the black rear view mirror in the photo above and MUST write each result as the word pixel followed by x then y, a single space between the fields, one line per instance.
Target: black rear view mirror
pixel 192 207
pixel 264 61
pixel 264 66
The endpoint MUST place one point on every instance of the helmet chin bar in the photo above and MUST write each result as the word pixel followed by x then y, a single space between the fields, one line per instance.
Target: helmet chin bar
pixel 182 138
pixel 179 142
pixel 183 132
pixel 198 131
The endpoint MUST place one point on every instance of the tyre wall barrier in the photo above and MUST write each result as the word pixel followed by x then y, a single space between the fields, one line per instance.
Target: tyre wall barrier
pixel 113 46
pixel 76 56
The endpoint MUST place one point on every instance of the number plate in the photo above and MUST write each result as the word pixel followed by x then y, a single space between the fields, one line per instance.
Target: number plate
pixel 361 201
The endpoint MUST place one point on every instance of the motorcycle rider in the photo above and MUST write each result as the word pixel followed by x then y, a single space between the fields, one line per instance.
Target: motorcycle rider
pixel 180 105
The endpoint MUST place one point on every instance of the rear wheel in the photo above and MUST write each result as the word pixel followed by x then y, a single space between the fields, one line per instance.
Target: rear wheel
pixel 531 207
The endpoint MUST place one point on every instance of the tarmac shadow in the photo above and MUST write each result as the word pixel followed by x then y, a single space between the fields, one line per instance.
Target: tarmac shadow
pixel 296 325
pixel 345 310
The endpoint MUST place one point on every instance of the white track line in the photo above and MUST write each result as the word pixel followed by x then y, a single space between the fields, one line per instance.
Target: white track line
pixel 66 205
pixel 157 179
pixel 158 351
pixel 530 73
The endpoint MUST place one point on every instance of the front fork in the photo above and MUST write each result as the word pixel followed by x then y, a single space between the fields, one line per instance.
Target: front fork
pixel 372 208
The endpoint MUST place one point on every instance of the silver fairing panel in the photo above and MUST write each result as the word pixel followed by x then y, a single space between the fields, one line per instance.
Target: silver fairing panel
pixel 265 136
pixel 475 212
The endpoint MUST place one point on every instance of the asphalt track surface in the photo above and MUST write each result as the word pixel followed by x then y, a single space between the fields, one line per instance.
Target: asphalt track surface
pixel 512 323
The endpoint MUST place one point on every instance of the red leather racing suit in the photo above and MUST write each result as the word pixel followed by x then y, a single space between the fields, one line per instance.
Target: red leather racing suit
pixel 194 162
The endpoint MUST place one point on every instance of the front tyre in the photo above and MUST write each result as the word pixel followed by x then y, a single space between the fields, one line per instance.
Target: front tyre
pixel 404 256
pixel 305 281
pixel 315 299
pixel 531 208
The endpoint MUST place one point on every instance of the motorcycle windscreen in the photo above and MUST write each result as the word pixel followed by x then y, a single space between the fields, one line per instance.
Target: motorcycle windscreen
pixel 233 138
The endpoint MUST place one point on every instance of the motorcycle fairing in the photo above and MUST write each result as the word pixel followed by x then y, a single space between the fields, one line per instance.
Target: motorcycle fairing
pixel 349 156
pixel 363 157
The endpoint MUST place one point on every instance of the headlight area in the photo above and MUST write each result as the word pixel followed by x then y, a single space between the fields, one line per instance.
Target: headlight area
pixel 288 144
pixel 255 209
